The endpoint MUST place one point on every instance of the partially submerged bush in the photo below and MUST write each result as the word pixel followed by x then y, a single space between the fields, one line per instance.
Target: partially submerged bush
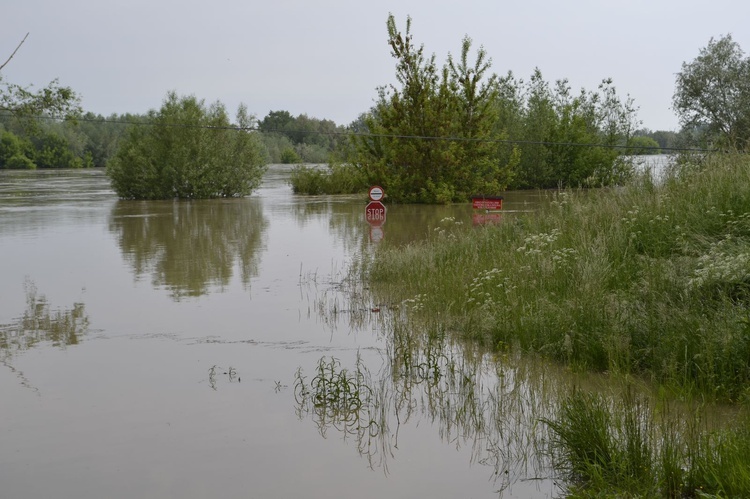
pixel 188 151
pixel 333 179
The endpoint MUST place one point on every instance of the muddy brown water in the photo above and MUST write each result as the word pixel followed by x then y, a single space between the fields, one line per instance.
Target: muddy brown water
pixel 150 349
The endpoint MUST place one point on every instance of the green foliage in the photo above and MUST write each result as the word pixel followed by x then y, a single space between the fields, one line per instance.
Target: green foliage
pixel 25 104
pixel 88 142
pixel 288 156
pixel 339 397
pixel 445 135
pixel 335 179
pixel 15 152
pixel 312 153
pixel 273 146
pixel 275 122
pixel 188 151
pixel 311 139
pixel 650 280
pixel 55 145
pixel 713 91
pixel 52 150
pixel 19 162
pixel 622 447
pixel 101 136
pixel 643 145
pixel 664 139
pixel 583 442
pixel 565 139
pixel 433 138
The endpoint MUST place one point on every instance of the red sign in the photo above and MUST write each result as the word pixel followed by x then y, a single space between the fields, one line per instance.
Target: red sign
pixel 486 218
pixel 487 203
pixel 375 213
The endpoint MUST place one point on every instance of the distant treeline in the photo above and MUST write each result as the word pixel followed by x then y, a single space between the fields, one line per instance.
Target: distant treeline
pixel 300 139
pixel 93 139
pixel 86 143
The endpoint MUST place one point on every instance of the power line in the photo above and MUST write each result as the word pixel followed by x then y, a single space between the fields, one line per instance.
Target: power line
pixel 349 133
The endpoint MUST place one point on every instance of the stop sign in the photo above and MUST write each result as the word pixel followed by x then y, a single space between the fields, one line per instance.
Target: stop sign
pixel 375 213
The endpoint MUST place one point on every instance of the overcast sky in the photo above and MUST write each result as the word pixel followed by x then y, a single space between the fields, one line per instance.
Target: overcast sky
pixel 326 58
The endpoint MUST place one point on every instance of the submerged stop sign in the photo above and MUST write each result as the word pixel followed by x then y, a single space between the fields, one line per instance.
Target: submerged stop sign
pixel 375 213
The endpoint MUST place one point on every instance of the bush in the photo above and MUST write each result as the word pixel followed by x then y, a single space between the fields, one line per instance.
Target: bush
pixel 288 156
pixel 188 151
pixel 335 179
pixel 20 162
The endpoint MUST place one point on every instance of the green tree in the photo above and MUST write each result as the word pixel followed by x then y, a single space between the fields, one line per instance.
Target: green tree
pixel 55 151
pixel 713 91
pixel 433 139
pixel 643 145
pixel 313 140
pixel 570 139
pixel 25 103
pixel 15 152
pixel 188 150
pixel 275 121
pixel 509 123
pixel 289 156
pixel 101 135
pixel 665 139
pixel 539 120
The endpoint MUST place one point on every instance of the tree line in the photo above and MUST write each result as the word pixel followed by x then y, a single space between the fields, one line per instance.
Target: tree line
pixel 440 134
pixel 444 133
pixel 90 140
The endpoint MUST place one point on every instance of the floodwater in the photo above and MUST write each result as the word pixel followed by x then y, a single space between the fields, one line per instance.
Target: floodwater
pixel 176 349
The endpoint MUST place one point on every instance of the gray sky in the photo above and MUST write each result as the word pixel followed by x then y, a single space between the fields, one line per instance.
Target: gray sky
pixel 326 58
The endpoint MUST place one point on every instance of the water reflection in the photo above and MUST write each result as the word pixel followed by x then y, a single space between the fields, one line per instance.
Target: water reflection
pixel 487 404
pixel 40 323
pixel 343 214
pixel 405 223
pixel 191 247
pixel 410 223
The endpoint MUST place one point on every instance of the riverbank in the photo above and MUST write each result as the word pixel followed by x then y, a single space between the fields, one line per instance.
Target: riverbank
pixel 648 281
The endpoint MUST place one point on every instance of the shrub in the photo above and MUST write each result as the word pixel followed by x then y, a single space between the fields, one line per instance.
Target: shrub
pixel 188 151
pixel 335 179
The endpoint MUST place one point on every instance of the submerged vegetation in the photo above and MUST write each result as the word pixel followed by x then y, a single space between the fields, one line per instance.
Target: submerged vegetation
pixel 333 179
pixel 188 151
pixel 622 446
pixel 649 281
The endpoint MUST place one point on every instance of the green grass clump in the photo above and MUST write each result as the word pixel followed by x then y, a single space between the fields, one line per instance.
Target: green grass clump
pixel 648 279
pixel 622 447
pixel 337 397
pixel 334 179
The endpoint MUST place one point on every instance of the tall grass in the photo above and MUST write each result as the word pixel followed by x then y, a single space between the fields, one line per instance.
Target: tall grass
pixel 623 447
pixel 649 279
